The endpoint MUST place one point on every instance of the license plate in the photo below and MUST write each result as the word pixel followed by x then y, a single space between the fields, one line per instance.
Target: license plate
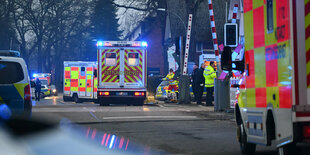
pixel 122 93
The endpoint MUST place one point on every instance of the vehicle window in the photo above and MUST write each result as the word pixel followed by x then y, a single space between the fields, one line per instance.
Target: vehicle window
pixel 11 72
pixel 270 16
pixel 133 59
pixel 110 59
pixel 164 83
pixel 42 86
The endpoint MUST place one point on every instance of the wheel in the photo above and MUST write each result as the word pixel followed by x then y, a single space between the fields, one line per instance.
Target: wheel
pixel 67 99
pixel 76 98
pixel 103 103
pixel 246 148
pixel 138 102
pixel 287 149
pixel 27 109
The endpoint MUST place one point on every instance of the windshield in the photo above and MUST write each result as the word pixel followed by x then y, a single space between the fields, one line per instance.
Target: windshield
pixel 218 77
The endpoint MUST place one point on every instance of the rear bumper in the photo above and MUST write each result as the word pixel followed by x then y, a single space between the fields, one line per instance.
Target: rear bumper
pixel 121 95
pixel 299 132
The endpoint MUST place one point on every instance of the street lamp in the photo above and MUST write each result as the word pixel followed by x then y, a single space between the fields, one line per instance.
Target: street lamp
pixel 163 9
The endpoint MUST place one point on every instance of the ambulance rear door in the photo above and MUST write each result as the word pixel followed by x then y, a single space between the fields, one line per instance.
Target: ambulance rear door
pixel 67 79
pixel 134 68
pixel 71 81
pixel 109 67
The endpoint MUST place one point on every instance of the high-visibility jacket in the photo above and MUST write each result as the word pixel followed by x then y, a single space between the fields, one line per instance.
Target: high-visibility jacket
pixel 209 75
pixel 169 77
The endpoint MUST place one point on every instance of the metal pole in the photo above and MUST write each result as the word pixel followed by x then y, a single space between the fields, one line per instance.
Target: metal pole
pixel 181 54
pixel 226 13
pixel 214 37
pixel 216 52
pixel 187 44
pixel 235 13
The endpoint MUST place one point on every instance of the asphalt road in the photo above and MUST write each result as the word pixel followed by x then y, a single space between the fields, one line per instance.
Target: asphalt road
pixel 167 128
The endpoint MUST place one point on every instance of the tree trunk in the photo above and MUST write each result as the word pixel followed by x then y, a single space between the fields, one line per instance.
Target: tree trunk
pixel 39 60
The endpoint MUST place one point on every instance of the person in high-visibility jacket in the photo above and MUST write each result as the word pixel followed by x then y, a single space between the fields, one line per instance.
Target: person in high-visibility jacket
pixel 173 83
pixel 209 75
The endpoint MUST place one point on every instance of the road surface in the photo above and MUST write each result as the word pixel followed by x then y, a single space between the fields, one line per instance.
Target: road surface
pixel 168 128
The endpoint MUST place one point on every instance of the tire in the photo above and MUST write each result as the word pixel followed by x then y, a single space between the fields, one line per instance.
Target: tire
pixel 287 149
pixel 246 148
pixel 67 99
pixel 138 102
pixel 103 103
pixel 27 110
pixel 76 98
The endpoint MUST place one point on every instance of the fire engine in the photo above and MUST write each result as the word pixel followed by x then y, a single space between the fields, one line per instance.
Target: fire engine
pixel 80 81
pixel 122 72
pixel 274 101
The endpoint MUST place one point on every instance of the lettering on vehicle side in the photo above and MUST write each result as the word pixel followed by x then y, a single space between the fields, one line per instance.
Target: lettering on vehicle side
pixel 276 52
pixel 121 73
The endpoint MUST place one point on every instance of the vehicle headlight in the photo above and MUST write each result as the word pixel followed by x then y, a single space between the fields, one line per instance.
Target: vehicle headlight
pixel 54 90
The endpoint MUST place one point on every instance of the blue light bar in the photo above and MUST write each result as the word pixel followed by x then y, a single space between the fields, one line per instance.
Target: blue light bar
pixel 35 75
pixel 144 44
pixel 99 43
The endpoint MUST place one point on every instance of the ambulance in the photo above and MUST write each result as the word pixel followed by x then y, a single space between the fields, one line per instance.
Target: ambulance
pixel 122 72
pixel 80 81
pixel 46 77
pixel 273 106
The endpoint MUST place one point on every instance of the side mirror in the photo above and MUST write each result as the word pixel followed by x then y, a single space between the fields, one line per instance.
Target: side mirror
pixel 226 62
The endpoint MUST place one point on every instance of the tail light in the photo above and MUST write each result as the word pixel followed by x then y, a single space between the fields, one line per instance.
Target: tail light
pixel 27 93
pixel 139 93
pixel 166 88
pixel 106 93
pixel 307 131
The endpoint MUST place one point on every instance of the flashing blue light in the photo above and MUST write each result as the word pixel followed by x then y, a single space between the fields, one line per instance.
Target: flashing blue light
pixel 5 112
pixel 112 141
pixel 144 44
pixel 35 75
pixel 99 43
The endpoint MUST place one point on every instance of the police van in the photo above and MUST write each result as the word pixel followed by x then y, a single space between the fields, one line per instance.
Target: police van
pixel 15 91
